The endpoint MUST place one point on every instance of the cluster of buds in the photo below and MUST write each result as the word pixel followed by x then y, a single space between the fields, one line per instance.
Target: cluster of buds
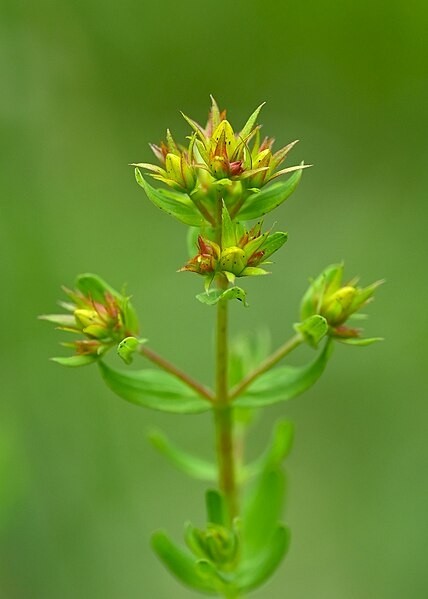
pixel 177 168
pixel 216 543
pixel 227 154
pixel 99 314
pixel 220 153
pixel 328 297
pixel 241 252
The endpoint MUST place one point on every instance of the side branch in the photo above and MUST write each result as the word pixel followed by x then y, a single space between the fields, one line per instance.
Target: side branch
pixel 267 364
pixel 201 389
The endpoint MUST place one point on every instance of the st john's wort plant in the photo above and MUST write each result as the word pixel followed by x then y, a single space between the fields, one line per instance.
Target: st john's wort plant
pixel 219 185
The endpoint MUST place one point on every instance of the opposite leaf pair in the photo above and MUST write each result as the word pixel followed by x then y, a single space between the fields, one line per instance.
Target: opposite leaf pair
pixel 236 557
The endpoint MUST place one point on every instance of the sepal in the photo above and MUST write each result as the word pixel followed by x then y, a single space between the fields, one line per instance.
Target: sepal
pixel 83 360
pixel 313 329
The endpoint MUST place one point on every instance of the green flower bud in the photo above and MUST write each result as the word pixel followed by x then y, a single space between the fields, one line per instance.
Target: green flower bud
pixel 217 544
pixel 233 259
pixel 216 155
pixel 98 312
pixel 85 318
pixel 335 308
pixel 326 283
pixel 188 174
pixel 335 302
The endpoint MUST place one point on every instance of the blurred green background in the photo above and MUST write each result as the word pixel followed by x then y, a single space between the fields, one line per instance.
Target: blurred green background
pixel 85 85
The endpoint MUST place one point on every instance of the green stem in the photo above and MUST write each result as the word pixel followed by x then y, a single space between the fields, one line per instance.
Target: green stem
pixel 175 371
pixel 267 364
pixel 223 415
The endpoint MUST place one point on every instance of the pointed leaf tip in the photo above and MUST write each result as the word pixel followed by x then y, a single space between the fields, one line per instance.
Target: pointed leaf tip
pixel 75 360
pixel 269 197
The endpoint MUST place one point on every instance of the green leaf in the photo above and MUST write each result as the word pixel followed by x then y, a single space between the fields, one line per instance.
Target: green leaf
pixel 285 382
pixel 269 198
pixel 192 240
pixel 75 360
pixel 196 127
pixel 228 238
pixel 262 512
pixel 215 578
pixel 130 317
pixel 127 348
pixel 216 508
pixel 278 449
pixel 63 320
pixel 273 243
pixel 313 329
pixel 360 342
pixel 258 570
pixel 174 203
pixel 192 539
pixel 253 271
pixel 188 463
pixel 95 287
pixel 215 295
pixel 154 389
pixel 248 127
pixel 179 563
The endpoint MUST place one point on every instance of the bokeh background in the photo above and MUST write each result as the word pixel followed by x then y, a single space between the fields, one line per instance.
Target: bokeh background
pixel 85 85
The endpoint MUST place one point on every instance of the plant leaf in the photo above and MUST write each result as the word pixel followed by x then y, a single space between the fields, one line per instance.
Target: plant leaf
pixel 269 198
pixel 186 462
pixel 217 580
pixel 262 511
pixel 63 320
pixel 154 389
pixel 126 349
pixel 258 570
pixel 216 508
pixel 313 329
pixel 215 295
pixel 174 203
pixel 93 286
pixel 179 563
pixel 228 238
pixel 359 342
pixel 276 452
pixel 82 360
pixel 273 243
pixel 284 382
pixel 248 127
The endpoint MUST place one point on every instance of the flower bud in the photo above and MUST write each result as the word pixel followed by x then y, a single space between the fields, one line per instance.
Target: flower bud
pixel 234 260
pixel 327 297
pixel 215 159
pixel 102 315
pixel 335 308
pixel 85 318
pixel 216 543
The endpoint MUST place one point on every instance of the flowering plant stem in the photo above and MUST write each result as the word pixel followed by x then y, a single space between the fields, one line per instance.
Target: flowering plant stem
pixel 216 186
pixel 223 416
